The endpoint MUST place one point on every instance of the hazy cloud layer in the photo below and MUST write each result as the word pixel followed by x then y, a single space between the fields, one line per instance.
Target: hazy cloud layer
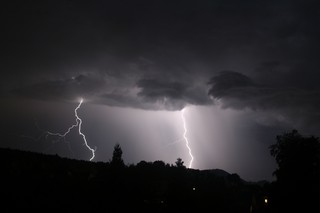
pixel 235 90
pixel 66 89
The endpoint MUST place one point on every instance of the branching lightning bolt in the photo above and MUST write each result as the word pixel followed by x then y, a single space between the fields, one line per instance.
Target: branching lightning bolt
pixel 77 124
pixel 185 137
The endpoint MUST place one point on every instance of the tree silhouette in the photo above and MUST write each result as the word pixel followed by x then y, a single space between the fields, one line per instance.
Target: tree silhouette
pixel 117 160
pixel 298 172
pixel 296 156
pixel 159 164
pixel 179 163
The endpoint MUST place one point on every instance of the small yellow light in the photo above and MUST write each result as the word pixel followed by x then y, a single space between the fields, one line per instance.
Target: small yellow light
pixel 266 200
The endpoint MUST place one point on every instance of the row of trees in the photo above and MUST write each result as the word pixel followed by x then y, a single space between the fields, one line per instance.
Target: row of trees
pixel 117 160
pixel 297 182
pixel 32 179
pixel 298 157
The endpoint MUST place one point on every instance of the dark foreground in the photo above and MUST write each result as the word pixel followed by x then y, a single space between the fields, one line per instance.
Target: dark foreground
pixel 31 181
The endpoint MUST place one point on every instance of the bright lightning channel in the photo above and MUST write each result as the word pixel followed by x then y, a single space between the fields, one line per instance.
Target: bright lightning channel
pixel 185 137
pixel 78 124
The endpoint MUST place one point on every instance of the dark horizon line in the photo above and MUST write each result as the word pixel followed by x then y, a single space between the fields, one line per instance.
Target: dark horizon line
pixel 126 165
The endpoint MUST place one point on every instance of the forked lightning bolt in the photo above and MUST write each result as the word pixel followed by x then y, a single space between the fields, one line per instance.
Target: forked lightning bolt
pixel 79 121
pixel 185 137
pixel 78 124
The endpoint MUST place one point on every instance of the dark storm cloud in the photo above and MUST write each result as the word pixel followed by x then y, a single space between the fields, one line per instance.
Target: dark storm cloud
pixel 155 89
pixel 156 94
pixel 151 94
pixel 227 80
pixel 176 93
pixel 238 91
pixel 142 44
pixel 65 89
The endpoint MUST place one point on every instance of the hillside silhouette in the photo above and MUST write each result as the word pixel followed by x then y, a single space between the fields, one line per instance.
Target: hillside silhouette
pixel 48 182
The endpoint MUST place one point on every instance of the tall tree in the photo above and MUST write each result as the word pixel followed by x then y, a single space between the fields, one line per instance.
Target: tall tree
pixel 117 160
pixel 179 163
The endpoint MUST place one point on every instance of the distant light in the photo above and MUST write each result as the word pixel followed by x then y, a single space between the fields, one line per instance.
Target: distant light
pixel 266 200
pixel 194 188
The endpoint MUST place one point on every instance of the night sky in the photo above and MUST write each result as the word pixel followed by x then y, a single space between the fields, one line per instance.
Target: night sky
pixel 243 71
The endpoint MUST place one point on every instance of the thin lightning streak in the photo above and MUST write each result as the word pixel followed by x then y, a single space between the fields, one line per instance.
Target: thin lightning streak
pixel 45 135
pixel 185 137
pixel 80 133
pixel 173 143
pixel 78 124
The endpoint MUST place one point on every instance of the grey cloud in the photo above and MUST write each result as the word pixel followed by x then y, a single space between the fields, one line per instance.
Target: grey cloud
pixel 119 100
pixel 175 40
pixel 241 91
pixel 226 81
pixel 235 90
pixel 174 94
pixel 156 94
pixel 127 100
pixel 149 94
pixel 155 89
pixel 64 89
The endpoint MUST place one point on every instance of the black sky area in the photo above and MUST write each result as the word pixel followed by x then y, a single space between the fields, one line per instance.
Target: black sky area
pixel 248 68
